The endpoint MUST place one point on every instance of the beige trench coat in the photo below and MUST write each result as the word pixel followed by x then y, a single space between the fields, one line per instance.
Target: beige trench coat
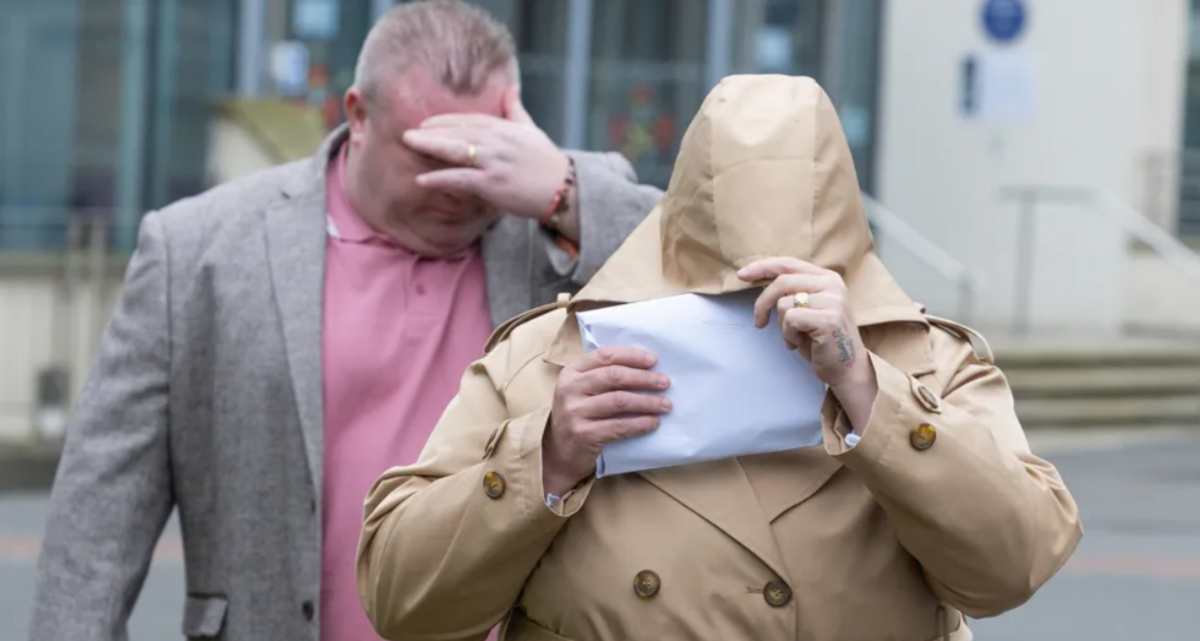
pixel 940 510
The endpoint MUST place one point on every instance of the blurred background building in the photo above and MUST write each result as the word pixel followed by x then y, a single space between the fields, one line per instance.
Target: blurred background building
pixel 1032 164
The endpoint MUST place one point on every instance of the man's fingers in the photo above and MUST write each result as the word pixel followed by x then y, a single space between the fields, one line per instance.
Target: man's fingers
pixel 620 377
pixel 781 288
pixel 448 148
pixel 614 404
pixel 769 268
pixel 615 429
pixel 627 356
pixel 462 180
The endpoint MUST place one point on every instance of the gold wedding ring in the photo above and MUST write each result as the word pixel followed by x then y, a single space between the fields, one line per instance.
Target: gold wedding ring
pixel 472 153
pixel 800 299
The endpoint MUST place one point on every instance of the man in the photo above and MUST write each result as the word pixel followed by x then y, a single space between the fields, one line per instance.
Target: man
pixel 283 340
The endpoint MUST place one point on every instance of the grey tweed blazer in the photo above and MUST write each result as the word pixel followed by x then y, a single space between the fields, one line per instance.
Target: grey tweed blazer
pixel 206 397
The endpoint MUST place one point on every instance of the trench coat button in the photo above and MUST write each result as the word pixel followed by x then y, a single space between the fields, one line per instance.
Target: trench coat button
pixel 646 584
pixel 922 437
pixel 777 594
pixel 493 485
pixel 308 610
pixel 929 399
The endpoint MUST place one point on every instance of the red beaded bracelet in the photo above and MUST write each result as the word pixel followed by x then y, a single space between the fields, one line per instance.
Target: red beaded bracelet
pixel 561 201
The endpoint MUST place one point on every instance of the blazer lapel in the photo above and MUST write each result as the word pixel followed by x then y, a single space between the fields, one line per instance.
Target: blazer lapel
pixel 509 279
pixel 720 493
pixel 296 237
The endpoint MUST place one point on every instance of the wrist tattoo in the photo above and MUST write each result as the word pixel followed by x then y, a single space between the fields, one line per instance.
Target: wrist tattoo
pixel 846 348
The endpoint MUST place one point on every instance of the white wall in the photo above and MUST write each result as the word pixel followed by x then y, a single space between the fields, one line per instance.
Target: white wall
pixel 44 322
pixel 1108 89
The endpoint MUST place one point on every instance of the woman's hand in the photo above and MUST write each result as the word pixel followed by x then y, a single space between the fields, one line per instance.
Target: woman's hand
pixel 823 330
pixel 599 399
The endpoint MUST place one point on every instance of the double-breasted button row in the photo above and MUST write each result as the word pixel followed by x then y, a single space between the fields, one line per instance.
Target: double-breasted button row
pixel 647 584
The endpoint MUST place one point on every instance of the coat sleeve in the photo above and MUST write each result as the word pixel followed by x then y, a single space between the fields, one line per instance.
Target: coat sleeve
pixel 112 493
pixel 448 543
pixel 611 204
pixel 989 522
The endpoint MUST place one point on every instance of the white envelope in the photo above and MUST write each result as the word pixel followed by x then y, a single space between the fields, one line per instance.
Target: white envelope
pixel 735 390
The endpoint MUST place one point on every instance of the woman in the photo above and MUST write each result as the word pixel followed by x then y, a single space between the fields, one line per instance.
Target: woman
pixel 924 504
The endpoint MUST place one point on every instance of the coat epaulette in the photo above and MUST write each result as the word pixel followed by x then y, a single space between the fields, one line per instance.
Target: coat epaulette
pixel 509 325
pixel 983 351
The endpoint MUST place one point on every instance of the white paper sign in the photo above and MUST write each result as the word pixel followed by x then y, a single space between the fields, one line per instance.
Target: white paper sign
pixel 1007 86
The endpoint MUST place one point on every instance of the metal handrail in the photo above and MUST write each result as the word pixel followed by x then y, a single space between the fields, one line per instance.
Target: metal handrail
pixel 1133 222
pixel 925 250
pixel 1170 248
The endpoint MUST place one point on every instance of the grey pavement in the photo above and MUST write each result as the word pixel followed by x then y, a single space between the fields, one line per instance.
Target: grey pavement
pixel 1135 576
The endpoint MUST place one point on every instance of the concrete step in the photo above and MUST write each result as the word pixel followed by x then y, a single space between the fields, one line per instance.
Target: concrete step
pixel 1057 382
pixel 1098 412
pixel 1098 381
pixel 1139 353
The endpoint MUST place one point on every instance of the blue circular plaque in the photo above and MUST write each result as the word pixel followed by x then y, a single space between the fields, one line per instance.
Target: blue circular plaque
pixel 1004 20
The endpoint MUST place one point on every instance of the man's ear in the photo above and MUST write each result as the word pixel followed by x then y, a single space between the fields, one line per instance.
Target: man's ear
pixel 514 110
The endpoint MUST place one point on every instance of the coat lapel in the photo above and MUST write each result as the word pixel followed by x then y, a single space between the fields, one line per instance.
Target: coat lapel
pixel 296 237
pixel 783 480
pixel 720 493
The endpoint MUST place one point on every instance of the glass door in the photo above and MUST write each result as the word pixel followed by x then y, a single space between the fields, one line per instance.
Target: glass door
pixel 540 29
pixel 647 78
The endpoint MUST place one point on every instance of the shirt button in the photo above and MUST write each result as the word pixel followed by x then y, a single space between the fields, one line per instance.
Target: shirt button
pixel 646 584
pixel 777 594
pixel 493 485
pixel 420 290
pixel 308 610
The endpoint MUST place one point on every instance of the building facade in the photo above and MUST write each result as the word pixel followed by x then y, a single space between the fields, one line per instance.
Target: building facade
pixel 1047 155
pixel 115 97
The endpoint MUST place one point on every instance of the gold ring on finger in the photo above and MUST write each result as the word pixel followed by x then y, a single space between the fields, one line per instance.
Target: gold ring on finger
pixel 472 153
pixel 800 299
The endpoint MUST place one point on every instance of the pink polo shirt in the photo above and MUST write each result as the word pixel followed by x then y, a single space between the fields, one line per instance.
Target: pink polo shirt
pixel 399 331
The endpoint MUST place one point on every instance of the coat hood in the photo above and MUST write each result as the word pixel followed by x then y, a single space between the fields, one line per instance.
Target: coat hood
pixel 764 170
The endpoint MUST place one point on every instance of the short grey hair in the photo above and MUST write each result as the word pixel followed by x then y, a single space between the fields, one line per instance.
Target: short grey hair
pixel 458 44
